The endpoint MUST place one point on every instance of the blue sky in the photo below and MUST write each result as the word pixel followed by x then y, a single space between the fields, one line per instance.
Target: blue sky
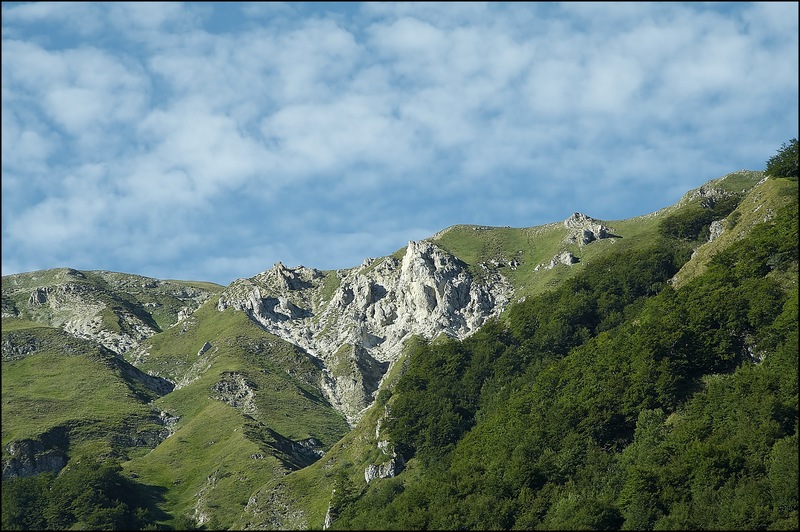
pixel 207 141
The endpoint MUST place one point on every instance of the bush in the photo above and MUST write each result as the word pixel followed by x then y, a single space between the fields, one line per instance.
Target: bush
pixel 87 495
pixel 784 163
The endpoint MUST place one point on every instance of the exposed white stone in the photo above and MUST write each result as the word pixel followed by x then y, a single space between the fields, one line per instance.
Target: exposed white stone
pixel 387 469
pixel 565 257
pixel 585 229
pixel 358 329
pixel 717 228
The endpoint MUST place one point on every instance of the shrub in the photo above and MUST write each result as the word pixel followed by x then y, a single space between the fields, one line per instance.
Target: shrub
pixel 784 163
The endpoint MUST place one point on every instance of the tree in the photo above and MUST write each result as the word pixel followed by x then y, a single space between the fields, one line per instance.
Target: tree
pixel 93 495
pixel 23 502
pixel 784 163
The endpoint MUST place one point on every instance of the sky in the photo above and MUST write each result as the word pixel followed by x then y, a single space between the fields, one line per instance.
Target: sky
pixel 208 141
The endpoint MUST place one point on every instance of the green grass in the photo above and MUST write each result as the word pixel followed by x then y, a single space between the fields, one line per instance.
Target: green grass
pixel 286 401
pixel 329 285
pixel 737 182
pixel 754 208
pixel 310 488
pixel 200 449
pixel 285 376
pixel 209 454
pixel 18 324
pixel 532 246
pixel 68 383
pixel 212 288
pixel 342 363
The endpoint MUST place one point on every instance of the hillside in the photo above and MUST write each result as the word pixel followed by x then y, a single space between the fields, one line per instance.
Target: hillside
pixel 581 374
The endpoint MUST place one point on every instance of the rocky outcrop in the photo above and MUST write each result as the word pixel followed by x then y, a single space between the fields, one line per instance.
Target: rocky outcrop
pixel 331 514
pixel 31 457
pixel 387 469
pixel 236 390
pixel 273 510
pixel 716 228
pixel 16 345
pixel 202 513
pixel 93 326
pixel 585 229
pixel 354 322
pixel 169 422
pixel 565 257
pixel 709 193
pixel 115 310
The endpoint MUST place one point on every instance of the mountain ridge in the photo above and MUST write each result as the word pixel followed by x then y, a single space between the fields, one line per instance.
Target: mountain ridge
pixel 291 361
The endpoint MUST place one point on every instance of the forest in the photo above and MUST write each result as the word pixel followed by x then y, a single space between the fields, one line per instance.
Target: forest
pixel 613 402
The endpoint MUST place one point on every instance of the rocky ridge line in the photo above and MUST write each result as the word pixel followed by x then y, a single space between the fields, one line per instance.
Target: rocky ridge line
pixel 354 322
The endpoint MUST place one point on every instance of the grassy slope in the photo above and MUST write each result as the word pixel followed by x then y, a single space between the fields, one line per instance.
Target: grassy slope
pixel 760 204
pixel 72 383
pixel 68 382
pixel 211 452
pixel 308 491
pixel 533 246
pixel 310 488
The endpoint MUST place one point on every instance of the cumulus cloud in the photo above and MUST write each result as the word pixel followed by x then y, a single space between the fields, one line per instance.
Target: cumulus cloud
pixel 201 140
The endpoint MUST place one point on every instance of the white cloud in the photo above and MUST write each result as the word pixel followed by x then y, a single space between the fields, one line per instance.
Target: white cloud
pixel 771 21
pixel 83 18
pixel 160 139
pixel 446 14
pixel 131 16
pixel 26 148
pixel 86 92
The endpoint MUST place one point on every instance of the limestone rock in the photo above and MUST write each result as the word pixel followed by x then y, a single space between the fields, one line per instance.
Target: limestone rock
pixel 565 257
pixel 387 469
pixel 31 457
pixel 330 515
pixel 354 322
pixel 585 229
pixel 112 309
pixel 717 228
pixel 709 193
pixel 236 390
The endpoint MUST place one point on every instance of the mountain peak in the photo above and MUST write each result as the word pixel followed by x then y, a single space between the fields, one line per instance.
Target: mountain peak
pixel 578 219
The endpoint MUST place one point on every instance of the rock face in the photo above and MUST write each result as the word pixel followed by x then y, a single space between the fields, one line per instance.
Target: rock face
pixel 388 469
pixel 78 310
pixel 31 457
pixel 716 229
pixel 354 322
pixel 565 257
pixel 112 309
pixel 585 229
pixel 235 390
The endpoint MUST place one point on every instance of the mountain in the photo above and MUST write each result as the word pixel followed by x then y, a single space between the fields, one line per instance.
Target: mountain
pixel 480 378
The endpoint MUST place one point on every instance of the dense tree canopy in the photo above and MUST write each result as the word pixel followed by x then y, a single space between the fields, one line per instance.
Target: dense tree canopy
pixel 86 495
pixel 613 402
pixel 784 163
